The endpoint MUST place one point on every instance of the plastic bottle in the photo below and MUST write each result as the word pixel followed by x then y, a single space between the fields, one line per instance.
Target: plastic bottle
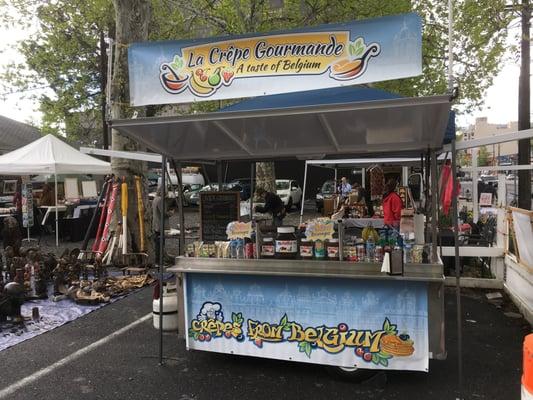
pixel 370 249
pixel 407 253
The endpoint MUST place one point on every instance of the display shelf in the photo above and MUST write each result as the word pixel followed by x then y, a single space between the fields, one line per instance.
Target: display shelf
pixel 306 268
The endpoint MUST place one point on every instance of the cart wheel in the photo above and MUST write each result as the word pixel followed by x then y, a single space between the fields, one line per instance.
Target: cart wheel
pixel 352 374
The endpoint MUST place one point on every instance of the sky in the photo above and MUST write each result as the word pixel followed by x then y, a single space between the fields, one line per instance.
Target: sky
pixel 500 105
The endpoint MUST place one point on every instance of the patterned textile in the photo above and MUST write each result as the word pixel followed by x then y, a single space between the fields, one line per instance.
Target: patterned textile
pixel 377 183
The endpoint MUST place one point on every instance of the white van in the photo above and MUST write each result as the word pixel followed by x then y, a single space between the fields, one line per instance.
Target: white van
pixel 190 176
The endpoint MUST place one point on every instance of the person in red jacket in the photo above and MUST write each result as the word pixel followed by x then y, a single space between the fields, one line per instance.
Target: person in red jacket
pixel 392 205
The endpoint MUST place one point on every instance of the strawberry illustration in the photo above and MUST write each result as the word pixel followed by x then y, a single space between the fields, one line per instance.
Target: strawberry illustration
pixel 227 75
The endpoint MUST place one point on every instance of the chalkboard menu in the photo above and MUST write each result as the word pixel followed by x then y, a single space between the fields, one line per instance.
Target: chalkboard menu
pixel 217 210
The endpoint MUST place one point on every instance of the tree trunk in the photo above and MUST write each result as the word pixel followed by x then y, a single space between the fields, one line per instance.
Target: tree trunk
pixel 103 84
pixel 265 175
pixel 132 20
pixel 524 145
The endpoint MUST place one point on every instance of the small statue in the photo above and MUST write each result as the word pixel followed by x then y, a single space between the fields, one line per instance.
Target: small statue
pixel 11 300
pixel 59 275
pixel 41 290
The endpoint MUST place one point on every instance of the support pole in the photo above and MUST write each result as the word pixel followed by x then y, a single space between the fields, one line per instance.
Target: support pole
pixel 434 205
pixel 427 171
pixel 57 213
pixel 405 176
pixel 363 177
pixel 303 194
pixel 252 190
pixel 179 175
pixel 457 275
pixel 475 194
pixel 162 253
pixel 219 175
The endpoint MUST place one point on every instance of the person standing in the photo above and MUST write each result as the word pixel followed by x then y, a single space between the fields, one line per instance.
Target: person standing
pixel 157 205
pixel 345 188
pixel 392 205
pixel 273 205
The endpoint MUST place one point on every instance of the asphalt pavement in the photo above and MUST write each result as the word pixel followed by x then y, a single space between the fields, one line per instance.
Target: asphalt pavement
pixel 85 360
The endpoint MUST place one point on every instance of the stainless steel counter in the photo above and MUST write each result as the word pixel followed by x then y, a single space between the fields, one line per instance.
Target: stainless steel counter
pixel 306 268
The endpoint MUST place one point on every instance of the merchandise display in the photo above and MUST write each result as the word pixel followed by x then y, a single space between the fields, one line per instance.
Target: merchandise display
pixel 290 243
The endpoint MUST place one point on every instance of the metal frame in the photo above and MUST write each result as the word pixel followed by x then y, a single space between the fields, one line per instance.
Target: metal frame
pixel 331 108
pixel 304 268
pixel 287 111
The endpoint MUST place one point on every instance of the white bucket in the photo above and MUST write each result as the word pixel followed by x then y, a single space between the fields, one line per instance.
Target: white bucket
pixel 170 309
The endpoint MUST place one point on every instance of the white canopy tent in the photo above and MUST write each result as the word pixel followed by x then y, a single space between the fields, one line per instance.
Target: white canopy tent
pixel 50 155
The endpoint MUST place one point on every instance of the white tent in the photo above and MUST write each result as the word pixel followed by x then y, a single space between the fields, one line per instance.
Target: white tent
pixel 50 155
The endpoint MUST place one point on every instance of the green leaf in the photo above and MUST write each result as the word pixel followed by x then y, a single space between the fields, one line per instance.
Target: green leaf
pixel 284 320
pixel 358 47
pixel 384 362
pixel 375 358
pixel 287 328
pixel 307 349
pixel 386 325
pixel 351 49
pixel 178 61
pixel 234 317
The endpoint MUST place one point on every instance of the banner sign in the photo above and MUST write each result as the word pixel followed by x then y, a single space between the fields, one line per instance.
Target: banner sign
pixel 27 202
pixel 320 229
pixel 239 230
pixel 340 322
pixel 246 66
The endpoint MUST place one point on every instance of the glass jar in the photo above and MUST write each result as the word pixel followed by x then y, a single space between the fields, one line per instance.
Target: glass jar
pixel 320 250
pixel 286 243
pixel 349 252
pixel 332 249
pixel 268 249
pixel 306 249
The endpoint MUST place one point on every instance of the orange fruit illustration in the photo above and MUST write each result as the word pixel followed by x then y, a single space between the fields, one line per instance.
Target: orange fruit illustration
pixel 345 66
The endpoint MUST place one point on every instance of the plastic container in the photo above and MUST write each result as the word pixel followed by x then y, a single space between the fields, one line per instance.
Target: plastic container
pixel 306 249
pixel 170 307
pixel 268 249
pixel 332 249
pixel 527 369
pixel 350 252
pixel 320 250
pixel 286 243
pixel 370 249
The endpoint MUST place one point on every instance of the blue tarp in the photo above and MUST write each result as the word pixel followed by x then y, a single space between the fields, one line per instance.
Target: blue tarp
pixel 336 95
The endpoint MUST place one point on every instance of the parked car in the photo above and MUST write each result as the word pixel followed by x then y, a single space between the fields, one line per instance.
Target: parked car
pixel 290 193
pixel 325 192
pixel 194 198
pixel 188 191
pixel 243 186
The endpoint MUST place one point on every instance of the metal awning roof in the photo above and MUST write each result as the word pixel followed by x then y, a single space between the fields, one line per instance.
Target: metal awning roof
pixel 305 132
pixel 364 162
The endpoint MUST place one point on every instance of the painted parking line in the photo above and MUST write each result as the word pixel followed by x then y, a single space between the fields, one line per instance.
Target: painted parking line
pixel 74 356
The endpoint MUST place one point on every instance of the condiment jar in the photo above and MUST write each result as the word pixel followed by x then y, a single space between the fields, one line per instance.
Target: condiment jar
pixel 268 250
pixel 286 243
pixel 332 249
pixel 306 249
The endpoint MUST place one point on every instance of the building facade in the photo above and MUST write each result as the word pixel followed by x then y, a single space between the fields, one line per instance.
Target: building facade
pixel 482 128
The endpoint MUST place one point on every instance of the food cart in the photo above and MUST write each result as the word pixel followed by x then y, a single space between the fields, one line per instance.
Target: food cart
pixel 333 313
pixel 337 313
